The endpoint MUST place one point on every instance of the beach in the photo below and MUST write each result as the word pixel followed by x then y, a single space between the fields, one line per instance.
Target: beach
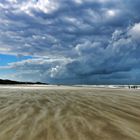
pixel 69 113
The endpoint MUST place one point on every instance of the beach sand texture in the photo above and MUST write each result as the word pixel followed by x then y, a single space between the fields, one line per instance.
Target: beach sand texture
pixel 69 113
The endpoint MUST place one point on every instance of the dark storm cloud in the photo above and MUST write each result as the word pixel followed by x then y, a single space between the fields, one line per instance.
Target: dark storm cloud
pixel 86 41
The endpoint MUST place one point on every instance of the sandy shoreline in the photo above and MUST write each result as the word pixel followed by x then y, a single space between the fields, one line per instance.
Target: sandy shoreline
pixel 65 113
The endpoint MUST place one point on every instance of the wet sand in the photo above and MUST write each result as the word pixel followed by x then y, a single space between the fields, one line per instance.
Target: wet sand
pixel 69 113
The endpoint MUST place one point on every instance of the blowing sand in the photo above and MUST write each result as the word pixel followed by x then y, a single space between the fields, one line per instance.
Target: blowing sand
pixel 69 113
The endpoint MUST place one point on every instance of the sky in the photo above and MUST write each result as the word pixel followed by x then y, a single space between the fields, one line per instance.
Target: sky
pixel 70 41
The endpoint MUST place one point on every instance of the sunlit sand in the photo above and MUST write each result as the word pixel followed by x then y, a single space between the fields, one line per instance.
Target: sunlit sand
pixel 69 113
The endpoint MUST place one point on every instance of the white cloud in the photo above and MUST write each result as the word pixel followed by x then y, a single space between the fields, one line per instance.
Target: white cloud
pixel 111 13
pixel 54 71
pixel 12 1
pixel 135 32
pixel 45 6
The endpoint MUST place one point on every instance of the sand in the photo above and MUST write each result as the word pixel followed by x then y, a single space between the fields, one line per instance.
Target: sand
pixel 69 113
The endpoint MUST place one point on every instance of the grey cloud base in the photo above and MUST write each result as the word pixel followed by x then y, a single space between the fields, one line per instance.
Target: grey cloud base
pixel 72 42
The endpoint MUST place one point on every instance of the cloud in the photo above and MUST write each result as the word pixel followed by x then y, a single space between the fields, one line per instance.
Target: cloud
pixel 134 32
pixel 77 41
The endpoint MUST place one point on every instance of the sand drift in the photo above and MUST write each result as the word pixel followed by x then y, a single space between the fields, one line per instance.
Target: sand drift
pixel 69 113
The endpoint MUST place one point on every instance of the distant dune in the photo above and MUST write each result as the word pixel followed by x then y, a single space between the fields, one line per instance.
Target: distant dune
pixel 69 113
pixel 10 82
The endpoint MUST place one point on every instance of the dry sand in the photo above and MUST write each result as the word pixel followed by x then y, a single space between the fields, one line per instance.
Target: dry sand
pixel 69 113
